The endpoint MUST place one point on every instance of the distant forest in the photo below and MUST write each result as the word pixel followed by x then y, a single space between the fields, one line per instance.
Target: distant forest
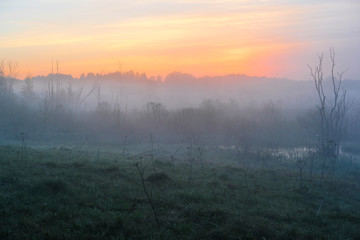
pixel 233 110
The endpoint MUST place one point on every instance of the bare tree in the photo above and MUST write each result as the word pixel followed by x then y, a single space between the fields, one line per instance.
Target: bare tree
pixel 28 88
pixel 11 74
pixel 2 77
pixel 332 108
pixel 8 73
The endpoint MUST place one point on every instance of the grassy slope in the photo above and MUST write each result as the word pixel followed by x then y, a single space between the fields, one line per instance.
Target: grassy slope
pixel 55 194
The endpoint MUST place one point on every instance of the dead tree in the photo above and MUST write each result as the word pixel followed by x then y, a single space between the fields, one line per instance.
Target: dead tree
pixel 332 108
pixel 8 73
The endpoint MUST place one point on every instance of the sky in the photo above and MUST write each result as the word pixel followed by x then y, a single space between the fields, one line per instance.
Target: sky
pixel 202 37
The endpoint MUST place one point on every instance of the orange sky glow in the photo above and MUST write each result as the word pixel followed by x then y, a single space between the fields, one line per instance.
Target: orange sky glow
pixel 257 38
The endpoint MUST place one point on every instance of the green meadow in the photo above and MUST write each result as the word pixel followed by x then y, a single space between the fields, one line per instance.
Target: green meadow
pixel 174 192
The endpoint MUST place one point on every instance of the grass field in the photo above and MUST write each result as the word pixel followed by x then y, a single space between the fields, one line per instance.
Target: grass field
pixel 110 193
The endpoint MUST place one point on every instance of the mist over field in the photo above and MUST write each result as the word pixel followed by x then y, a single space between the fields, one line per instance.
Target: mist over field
pixel 228 110
pixel 179 120
pixel 130 156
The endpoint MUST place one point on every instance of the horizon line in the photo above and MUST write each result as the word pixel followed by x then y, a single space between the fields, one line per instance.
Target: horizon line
pixel 156 77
